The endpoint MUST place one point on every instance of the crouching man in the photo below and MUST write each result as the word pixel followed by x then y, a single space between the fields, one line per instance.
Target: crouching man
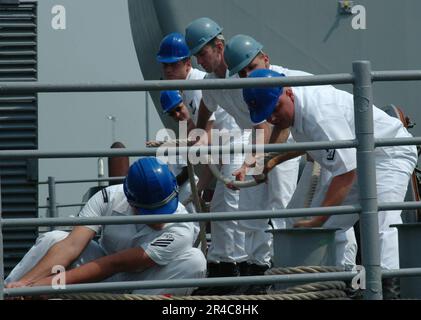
pixel 131 252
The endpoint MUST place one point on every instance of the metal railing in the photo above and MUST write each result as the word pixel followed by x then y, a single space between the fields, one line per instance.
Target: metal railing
pixel 52 204
pixel 365 144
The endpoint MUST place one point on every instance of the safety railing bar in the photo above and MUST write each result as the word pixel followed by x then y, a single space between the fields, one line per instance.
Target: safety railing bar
pixel 299 146
pixel 85 180
pixel 158 85
pixel 398 142
pixel 182 283
pixel 164 218
pixel 385 206
pixel 64 205
pixel 409 75
pixel 401 273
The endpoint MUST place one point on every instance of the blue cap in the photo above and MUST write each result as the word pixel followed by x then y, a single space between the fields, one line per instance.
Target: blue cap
pixel 151 187
pixel 170 99
pixel 173 48
pixel 262 101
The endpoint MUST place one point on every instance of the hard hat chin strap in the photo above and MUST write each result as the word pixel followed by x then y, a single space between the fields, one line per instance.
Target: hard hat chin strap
pixel 154 205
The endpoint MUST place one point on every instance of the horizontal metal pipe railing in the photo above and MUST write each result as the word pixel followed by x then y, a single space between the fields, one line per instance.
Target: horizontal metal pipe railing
pixel 67 205
pixel 164 218
pixel 184 283
pixel 398 75
pixel 383 206
pixel 397 142
pixel 407 205
pixel 298 146
pixel 281 147
pixel 402 273
pixel 157 85
pixel 85 180
pixel 214 216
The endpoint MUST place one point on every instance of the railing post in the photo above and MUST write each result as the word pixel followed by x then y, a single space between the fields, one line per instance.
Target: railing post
pixel 366 170
pixel 52 201
pixel 1 252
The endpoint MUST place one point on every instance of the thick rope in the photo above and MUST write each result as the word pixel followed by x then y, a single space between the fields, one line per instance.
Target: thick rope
pixel 318 288
pixel 318 295
pixel 309 291
pixel 201 238
pixel 315 176
pixel 213 168
pixel 313 287
pixel 303 269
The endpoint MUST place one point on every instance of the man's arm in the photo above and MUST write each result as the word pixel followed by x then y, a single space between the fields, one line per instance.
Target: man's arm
pixel 335 195
pixel 62 253
pixel 278 135
pixel 208 129
pixel 203 116
pixel 205 179
pixel 129 260
pixel 263 132
pixel 280 158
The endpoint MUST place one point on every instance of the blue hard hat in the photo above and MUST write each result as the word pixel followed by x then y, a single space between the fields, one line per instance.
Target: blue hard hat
pixel 173 48
pixel 151 187
pixel 170 99
pixel 240 50
pixel 199 32
pixel 262 101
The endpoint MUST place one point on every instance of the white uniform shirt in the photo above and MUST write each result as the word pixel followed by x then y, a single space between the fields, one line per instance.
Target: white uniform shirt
pixel 191 98
pixel 162 246
pixel 232 99
pixel 222 120
pixel 324 113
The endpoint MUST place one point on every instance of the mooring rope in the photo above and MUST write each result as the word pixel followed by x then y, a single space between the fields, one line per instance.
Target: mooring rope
pixel 308 291
pixel 316 295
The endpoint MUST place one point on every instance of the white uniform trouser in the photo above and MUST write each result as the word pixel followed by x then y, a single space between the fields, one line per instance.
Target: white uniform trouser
pixel 273 195
pixel 345 241
pixel 190 264
pixel 393 171
pixel 227 243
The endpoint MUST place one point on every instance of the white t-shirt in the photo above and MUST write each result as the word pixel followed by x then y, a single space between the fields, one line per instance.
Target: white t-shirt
pixel 162 246
pixel 324 113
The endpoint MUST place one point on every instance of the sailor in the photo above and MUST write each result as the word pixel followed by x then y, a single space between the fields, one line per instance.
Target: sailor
pixel 243 54
pixel 205 40
pixel 131 252
pixel 324 113
pixel 174 55
pixel 226 252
